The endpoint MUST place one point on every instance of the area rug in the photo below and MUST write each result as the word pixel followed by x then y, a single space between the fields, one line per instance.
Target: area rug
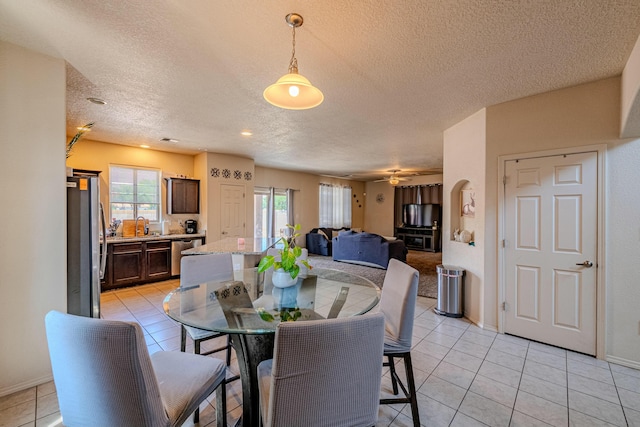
pixel 424 262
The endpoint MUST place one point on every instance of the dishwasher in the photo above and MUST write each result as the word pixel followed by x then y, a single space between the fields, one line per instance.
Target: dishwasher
pixel 177 246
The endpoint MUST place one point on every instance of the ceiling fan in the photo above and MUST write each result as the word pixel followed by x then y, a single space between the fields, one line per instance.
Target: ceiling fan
pixel 394 178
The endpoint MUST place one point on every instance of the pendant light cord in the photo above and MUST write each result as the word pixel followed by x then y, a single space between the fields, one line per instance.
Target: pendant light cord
pixel 293 62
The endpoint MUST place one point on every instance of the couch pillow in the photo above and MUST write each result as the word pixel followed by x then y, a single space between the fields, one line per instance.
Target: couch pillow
pixel 389 238
pixel 335 233
pixel 322 233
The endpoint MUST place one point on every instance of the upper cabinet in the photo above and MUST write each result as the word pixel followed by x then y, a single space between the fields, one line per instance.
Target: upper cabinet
pixel 183 196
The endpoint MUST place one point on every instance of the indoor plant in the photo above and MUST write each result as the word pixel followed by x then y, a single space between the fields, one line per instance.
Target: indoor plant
pixel 77 136
pixel 285 270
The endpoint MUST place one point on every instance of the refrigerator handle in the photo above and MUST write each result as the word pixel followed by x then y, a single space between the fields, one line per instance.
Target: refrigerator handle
pixel 103 255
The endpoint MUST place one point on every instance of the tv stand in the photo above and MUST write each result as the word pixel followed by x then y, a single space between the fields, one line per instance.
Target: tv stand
pixel 420 238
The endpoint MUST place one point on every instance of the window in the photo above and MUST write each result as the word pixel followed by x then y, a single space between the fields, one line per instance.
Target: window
pixel 335 206
pixel 134 192
pixel 272 211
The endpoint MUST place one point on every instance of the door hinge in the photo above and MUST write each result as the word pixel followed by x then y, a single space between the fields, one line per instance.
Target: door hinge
pixel 504 243
pixel 504 180
pixel 505 306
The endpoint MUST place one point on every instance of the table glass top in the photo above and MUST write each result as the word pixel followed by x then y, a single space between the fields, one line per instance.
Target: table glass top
pixel 251 305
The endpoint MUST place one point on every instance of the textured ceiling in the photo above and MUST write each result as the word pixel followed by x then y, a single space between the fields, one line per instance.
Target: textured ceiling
pixel 394 74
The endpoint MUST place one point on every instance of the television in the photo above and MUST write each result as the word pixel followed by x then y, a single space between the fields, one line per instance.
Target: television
pixel 415 215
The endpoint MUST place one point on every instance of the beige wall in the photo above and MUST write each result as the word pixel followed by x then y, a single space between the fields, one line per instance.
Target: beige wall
pixel 33 186
pixel 463 154
pixel 630 99
pixel 210 213
pixel 585 115
pixel 94 155
pixel 379 215
pixel 306 196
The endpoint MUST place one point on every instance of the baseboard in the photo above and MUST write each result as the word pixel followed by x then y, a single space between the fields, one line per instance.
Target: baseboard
pixel 25 385
pixel 480 324
pixel 624 362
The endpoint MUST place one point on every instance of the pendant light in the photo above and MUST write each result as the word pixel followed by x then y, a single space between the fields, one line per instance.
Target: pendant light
pixel 293 91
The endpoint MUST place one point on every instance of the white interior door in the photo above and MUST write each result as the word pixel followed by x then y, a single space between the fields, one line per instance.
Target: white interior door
pixel 232 211
pixel 550 250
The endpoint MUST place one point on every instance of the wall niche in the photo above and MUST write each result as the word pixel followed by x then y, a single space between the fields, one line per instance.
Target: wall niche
pixel 463 208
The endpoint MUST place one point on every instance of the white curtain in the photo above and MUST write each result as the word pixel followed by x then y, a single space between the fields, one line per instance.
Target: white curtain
pixel 335 206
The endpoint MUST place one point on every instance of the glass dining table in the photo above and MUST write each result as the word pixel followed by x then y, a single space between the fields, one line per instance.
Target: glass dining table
pixel 249 309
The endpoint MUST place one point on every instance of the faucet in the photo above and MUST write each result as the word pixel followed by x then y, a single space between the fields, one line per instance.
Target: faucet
pixel 144 225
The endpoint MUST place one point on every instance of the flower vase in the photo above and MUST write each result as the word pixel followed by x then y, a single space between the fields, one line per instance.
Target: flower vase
pixel 285 296
pixel 282 279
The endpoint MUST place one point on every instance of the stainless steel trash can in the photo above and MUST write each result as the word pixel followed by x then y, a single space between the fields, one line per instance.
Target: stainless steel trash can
pixel 450 290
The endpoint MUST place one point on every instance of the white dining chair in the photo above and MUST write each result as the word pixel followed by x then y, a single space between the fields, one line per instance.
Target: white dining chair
pixel 398 303
pixel 104 375
pixel 195 270
pixel 323 373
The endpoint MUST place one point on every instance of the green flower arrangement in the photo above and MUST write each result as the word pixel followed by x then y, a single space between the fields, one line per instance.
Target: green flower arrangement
pixel 289 255
pixel 285 314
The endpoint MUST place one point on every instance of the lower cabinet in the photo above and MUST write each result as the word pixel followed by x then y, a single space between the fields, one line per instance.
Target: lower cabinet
pixel 421 239
pixel 134 263
pixel 158 260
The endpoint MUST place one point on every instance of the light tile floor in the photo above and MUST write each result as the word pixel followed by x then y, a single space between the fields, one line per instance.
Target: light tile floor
pixel 466 376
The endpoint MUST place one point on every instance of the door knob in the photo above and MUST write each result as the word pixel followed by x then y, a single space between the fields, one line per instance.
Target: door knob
pixel 587 264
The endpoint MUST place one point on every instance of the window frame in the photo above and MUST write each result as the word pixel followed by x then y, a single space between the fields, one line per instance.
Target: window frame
pixel 134 183
pixel 334 206
pixel 270 192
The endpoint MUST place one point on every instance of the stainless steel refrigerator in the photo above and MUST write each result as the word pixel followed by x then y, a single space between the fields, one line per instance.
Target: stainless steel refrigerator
pixel 85 260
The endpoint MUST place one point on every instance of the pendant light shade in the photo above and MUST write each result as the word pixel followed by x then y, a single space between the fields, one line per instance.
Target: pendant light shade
pixel 293 91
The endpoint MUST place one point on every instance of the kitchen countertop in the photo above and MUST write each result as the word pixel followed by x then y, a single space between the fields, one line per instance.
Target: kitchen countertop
pixel 244 246
pixel 120 239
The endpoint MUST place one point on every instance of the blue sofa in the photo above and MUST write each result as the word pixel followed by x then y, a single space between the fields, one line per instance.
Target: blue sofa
pixel 367 249
pixel 319 242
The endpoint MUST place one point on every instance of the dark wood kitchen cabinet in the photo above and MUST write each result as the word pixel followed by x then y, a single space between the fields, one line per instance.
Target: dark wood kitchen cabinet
pixel 183 196
pixel 158 257
pixel 134 263
pixel 125 264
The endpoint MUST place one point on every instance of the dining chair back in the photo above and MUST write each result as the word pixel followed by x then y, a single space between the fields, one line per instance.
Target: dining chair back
pixel 197 269
pixel 397 303
pixel 194 270
pixel 233 296
pixel 323 373
pixel 104 375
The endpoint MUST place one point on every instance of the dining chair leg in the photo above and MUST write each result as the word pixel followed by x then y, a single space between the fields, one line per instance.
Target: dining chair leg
pixel 221 405
pixel 411 384
pixel 183 338
pixel 409 390
pixel 392 373
pixel 228 350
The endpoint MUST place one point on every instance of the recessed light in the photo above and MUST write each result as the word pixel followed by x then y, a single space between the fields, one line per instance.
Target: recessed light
pixel 169 140
pixel 97 101
pixel 246 133
pixel 144 146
